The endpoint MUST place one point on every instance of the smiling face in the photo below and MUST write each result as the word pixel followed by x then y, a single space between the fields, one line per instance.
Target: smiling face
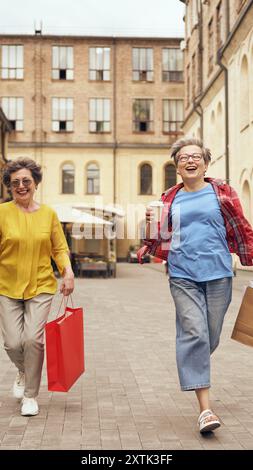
pixel 22 186
pixel 193 169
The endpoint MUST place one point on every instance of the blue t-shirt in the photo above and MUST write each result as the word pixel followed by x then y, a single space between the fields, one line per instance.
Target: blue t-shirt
pixel 199 249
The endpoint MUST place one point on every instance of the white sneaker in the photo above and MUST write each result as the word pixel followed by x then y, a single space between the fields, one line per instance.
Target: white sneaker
pixel 19 385
pixel 29 407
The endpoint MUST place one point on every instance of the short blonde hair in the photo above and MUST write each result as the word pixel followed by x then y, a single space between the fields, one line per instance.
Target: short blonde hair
pixel 179 144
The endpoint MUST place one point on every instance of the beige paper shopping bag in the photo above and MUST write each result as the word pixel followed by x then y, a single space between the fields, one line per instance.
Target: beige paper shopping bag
pixel 243 329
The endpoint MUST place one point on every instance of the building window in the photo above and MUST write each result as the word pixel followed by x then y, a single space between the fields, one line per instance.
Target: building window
pixel 219 23
pixel 210 46
pixel 99 113
pixel 93 178
pixel 244 93
pixel 173 115
pixel 12 62
pixel 188 84
pixel 172 65
pixel 143 67
pixel 170 176
pixel 143 120
pixel 193 76
pixel 62 63
pixel 62 114
pixel 99 63
pixel 146 179
pixel 68 179
pixel 14 110
pixel 240 4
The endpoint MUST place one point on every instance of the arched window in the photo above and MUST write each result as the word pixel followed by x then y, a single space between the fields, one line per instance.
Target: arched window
pixel 68 179
pixel 246 198
pixel 244 93
pixel 170 176
pixel 93 178
pixel 146 179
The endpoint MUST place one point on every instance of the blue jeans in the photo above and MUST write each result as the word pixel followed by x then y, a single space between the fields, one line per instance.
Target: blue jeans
pixel 200 311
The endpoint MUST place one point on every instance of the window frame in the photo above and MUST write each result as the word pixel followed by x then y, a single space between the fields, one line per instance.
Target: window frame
pixel 8 112
pixel 102 70
pixel 92 179
pixel 100 122
pixel 58 59
pixel 62 177
pixel 150 122
pixel 171 74
pixel 141 167
pixel 142 70
pixel 8 68
pixel 69 123
pixel 169 122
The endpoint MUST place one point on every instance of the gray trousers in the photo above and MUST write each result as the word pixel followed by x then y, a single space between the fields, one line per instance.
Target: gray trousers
pixel 22 323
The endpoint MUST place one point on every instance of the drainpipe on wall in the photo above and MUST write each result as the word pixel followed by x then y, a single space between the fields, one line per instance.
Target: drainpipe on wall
pixel 114 121
pixel 227 18
pixel 225 70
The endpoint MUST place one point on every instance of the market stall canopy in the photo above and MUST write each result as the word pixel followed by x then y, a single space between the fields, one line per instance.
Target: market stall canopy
pixel 68 214
pixel 108 209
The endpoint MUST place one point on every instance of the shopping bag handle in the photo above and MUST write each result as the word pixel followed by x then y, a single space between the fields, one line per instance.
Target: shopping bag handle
pixel 65 304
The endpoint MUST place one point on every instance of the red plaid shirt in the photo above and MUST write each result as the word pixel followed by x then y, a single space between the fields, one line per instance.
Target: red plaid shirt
pixel 239 232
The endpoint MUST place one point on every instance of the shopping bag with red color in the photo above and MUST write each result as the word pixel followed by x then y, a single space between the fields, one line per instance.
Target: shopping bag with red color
pixel 65 350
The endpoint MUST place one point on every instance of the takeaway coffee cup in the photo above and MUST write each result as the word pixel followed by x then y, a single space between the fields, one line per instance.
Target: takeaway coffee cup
pixel 157 207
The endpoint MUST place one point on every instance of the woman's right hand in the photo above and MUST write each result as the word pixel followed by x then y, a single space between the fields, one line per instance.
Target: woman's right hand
pixel 150 215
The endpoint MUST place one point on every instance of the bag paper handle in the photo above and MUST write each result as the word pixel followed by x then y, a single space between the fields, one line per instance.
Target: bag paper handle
pixel 65 304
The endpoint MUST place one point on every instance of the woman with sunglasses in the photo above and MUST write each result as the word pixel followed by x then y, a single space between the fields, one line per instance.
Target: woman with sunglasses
pixel 202 222
pixel 30 234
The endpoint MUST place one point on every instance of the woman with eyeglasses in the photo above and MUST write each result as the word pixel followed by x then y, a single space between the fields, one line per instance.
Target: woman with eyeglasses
pixel 30 234
pixel 202 223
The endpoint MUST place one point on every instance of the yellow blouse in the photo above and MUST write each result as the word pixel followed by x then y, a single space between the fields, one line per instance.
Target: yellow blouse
pixel 27 243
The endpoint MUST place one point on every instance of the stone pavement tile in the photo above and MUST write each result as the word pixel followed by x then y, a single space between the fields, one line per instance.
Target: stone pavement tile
pixel 110 440
pixel 211 444
pixel 149 437
pixel 165 433
pixel 247 444
pixel 230 420
pixel 171 445
pixel 233 446
pixel 130 440
pixel 108 423
pixel 236 428
pixel 126 410
pixel 19 421
pixel 83 447
pixel 91 438
pixel 11 440
pixel 9 447
pixel 194 444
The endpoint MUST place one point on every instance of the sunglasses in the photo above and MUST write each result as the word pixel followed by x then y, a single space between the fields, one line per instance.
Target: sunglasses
pixel 25 181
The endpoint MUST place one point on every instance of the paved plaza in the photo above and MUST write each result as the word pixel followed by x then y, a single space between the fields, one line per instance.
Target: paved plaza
pixel 129 397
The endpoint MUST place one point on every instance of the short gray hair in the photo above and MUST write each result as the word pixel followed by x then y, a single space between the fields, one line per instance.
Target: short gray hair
pixel 179 144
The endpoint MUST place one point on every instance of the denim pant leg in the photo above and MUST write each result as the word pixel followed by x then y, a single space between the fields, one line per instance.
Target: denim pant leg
pixel 192 340
pixel 218 297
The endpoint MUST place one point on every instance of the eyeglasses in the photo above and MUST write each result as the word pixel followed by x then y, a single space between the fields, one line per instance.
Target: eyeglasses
pixel 25 181
pixel 184 157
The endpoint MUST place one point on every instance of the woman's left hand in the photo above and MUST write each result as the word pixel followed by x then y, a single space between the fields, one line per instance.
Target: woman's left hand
pixel 67 285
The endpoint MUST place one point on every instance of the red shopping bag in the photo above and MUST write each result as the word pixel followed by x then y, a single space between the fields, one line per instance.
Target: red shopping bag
pixel 65 350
